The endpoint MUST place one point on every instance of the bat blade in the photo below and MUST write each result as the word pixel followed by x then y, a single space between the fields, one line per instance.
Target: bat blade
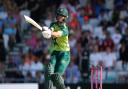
pixel 31 21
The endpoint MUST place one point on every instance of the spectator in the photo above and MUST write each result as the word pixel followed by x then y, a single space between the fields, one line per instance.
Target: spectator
pixel 11 71
pixel 103 16
pixel 39 77
pixel 33 40
pixel 108 42
pixel 109 4
pixel 72 42
pixel 2 70
pixel 74 24
pixel 86 26
pixel 72 74
pixel 2 48
pixel 25 66
pixel 124 49
pixel 98 32
pixel 121 25
pixel 109 58
pixel 95 57
pixel 116 37
pixel 36 64
pixel 35 67
pixel 23 11
pixel 125 38
pixel 9 31
pixel 123 55
pixel 88 9
pixel 48 19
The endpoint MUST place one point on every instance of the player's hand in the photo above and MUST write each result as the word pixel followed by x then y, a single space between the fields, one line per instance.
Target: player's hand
pixel 47 34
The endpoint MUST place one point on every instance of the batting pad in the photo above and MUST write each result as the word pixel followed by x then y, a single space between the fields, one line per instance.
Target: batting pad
pixel 48 82
pixel 58 81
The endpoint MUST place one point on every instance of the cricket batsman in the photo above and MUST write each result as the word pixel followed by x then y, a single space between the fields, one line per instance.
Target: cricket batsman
pixel 60 56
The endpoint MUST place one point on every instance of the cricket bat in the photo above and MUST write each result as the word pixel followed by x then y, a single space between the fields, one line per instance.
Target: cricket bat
pixel 31 21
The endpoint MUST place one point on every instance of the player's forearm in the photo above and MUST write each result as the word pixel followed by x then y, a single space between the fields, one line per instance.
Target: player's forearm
pixel 56 34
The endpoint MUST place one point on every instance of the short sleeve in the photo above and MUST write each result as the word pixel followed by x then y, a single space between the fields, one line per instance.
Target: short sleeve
pixel 65 31
pixel 52 26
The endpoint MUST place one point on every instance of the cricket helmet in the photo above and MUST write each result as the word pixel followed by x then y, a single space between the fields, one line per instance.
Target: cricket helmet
pixel 62 12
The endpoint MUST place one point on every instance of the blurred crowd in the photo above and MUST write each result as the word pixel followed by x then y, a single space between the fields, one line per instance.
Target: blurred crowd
pixel 98 36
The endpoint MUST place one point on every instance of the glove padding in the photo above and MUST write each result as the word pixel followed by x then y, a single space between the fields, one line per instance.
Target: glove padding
pixel 47 33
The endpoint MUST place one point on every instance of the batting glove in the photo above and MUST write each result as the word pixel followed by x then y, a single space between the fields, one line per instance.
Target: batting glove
pixel 45 28
pixel 47 33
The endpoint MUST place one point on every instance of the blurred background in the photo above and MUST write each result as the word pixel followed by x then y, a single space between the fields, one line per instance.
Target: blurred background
pixel 98 36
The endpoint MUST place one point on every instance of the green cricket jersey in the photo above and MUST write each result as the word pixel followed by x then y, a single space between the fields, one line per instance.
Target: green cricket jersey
pixel 60 43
